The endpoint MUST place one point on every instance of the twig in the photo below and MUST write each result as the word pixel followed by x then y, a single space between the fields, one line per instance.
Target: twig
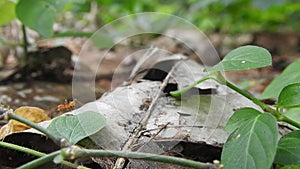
pixel 57 141
pixel 73 152
pixel 134 137
pixel 150 52
pixel 76 152
pixel 25 43
pixel 159 131
pixel 21 149
pixel 40 161
pixel 32 152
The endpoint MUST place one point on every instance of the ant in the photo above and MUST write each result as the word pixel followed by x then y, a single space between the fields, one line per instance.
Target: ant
pixel 66 106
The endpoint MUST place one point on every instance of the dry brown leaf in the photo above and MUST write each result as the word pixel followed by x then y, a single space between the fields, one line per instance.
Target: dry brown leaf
pixel 33 114
pixel 5 130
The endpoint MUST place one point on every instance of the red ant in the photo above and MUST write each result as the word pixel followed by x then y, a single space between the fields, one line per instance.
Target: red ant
pixel 66 106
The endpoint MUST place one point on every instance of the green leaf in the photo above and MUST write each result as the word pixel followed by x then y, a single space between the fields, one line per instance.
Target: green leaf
pixel 75 128
pixel 244 58
pixel 60 5
pixel 252 145
pixel 102 41
pixel 289 96
pixel 264 5
pixel 288 152
pixel 37 15
pixel 290 167
pixel 7 10
pixel 58 159
pixel 290 75
pixel 294 114
pixel 239 117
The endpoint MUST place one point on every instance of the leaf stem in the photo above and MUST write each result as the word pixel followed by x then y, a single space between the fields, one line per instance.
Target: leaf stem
pixel 40 161
pixel 252 98
pixel 218 77
pixel 21 149
pixel 73 34
pixel 32 152
pixel 262 105
pixel 290 121
pixel 178 93
pixel 76 152
pixel 58 141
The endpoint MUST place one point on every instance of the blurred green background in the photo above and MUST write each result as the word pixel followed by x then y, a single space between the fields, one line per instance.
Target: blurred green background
pixel 227 16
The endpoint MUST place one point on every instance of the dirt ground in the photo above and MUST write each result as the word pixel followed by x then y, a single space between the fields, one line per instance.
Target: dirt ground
pixel 48 92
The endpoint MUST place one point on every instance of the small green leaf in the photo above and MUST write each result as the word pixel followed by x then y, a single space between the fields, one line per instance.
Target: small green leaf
pixel 294 114
pixel 239 117
pixel 252 145
pixel 75 128
pixel 244 58
pixel 290 75
pixel 289 96
pixel 37 15
pixel 58 159
pixel 7 10
pixel 288 152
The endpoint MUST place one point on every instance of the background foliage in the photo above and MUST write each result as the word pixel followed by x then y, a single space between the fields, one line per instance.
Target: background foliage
pixel 230 16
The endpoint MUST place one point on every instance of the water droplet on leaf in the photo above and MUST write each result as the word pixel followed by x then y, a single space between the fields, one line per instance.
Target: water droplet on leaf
pixel 243 61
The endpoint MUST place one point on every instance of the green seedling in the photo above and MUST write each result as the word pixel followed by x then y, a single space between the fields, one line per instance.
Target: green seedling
pixel 253 142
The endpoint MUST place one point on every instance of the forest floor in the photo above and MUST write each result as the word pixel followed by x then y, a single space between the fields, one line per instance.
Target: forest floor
pixel 49 91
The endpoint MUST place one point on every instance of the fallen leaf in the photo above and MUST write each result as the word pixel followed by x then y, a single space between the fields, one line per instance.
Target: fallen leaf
pixel 5 130
pixel 33 114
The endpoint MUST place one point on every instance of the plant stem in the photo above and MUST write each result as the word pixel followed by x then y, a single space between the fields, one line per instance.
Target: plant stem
pixel 265 107
pixel 25 43
pixel 56 140
pixel 178 93
pixel 75 152
pixel 26 56
pixel 40 161
pixel 218 77
pixel 73 34
pixel 252 98
pixel 21 149
pixel 32 152
pixel 289 121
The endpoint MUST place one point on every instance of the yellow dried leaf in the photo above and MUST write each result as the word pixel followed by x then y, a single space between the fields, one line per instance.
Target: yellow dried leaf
pixel 33 114
pixel 5 130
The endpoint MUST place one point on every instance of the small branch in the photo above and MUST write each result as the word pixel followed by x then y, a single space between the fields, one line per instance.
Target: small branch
pixel 32 152
pixel 75 152
pixel 262 105
pixel 290 121
pixel 40 161
pixel 178 93
pixel 73 34
pixel 26 56
pixel 21 149
pixel 220 79
pixel 58 141
pixel 25 43
pixel 120 162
